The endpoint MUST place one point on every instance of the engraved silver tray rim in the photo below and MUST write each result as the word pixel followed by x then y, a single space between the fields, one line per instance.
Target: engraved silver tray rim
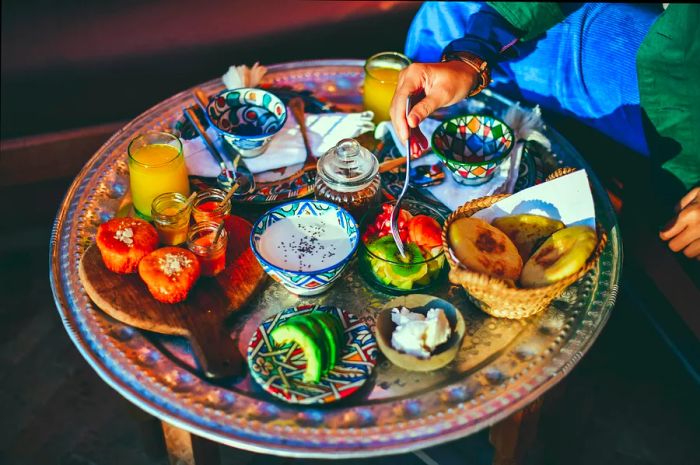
pixel 261 431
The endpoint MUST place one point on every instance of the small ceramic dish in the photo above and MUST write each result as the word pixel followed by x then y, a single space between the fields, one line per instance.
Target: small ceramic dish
pixel 247 118
pixel 279 371
pixel 472 146
pixel 295 253
pixel 420 303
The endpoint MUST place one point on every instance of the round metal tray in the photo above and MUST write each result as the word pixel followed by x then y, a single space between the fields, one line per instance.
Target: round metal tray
pixel 502 366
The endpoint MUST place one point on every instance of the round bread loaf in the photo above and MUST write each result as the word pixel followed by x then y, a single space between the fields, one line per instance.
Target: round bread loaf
pixel 484 248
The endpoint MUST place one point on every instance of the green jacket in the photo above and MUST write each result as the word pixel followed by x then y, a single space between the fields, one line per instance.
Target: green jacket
pixel 668 72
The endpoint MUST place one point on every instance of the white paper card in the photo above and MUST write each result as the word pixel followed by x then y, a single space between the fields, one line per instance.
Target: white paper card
pixel 567 199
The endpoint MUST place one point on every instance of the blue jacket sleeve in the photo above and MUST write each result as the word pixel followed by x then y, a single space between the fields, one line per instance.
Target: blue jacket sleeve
pixel 487 35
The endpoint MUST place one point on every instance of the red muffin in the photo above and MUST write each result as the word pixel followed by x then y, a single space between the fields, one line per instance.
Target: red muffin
pixel 123 242
pixel 169 273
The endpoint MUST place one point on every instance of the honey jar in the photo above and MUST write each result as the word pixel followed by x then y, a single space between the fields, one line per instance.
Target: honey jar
pixel 348 176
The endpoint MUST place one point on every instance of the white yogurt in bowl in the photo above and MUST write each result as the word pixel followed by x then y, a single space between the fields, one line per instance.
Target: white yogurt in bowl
pixel 305 245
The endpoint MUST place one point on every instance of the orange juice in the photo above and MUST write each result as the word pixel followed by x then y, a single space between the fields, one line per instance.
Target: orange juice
pixel 156 167
pixel 381 76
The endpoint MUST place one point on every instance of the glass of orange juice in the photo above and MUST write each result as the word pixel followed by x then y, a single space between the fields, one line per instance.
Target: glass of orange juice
pixel 381 76
pixel 156 166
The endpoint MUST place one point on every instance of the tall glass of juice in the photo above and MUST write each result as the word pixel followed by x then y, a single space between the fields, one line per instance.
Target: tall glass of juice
pixel 381 76
pixel 156 166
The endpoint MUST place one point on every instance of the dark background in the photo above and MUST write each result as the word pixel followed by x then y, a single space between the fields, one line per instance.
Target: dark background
pixel 69 67
pixel 75 63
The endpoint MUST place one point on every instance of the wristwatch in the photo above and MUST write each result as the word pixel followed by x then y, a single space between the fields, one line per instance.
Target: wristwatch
pixel 476 63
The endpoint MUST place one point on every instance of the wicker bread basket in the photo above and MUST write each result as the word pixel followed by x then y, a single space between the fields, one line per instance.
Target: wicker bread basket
pixel 494 296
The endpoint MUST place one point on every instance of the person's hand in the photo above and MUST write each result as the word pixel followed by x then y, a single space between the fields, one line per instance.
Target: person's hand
pixel 443 83
pixel 683 232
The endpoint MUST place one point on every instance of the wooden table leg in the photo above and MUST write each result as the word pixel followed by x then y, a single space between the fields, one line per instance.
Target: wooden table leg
pixel 514 436
pixel 187 449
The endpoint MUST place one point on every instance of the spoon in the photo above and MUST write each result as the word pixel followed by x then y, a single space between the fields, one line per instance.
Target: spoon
pixel 225 178
pixel 190 199
pixel 296 104
pixel 219 230
pixel 397 206
pixel 229 194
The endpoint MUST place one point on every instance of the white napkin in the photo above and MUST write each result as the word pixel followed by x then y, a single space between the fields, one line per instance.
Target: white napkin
pixel 567 199
pixel 242 76
pixel 287 146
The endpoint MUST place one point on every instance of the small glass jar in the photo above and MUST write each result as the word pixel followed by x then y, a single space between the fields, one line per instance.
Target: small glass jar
pixel 207 206
pixel 211 256
pixel 348 175
pixel 171 217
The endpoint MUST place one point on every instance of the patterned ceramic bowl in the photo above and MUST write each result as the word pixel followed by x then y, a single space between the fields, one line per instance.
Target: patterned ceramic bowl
pixel 247 118
pixel 295 253
pixel 472 146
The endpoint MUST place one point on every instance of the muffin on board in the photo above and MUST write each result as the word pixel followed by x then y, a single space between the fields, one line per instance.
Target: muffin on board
pixel 123 242
pixel 169 273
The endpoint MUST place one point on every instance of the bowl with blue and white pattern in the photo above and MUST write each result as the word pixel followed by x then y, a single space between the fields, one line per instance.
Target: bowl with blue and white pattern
pixel 247 118
pixel 305 245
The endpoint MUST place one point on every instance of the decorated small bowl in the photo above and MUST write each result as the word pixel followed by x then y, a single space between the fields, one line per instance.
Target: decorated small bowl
pixel 247 118
pixel 305 245
pixel 472 146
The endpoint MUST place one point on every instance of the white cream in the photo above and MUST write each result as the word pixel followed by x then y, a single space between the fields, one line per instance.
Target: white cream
pixel 419 335
pixel 305 243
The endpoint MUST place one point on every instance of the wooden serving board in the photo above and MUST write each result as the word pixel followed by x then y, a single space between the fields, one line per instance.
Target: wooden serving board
pixel 200 317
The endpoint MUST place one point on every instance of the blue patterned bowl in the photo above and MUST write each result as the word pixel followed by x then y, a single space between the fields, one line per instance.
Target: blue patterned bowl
pixel 247 118
pixel 472 146
pixel 310 282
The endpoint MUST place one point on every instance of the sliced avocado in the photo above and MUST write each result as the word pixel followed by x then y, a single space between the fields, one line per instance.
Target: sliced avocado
pixel 336 325
pixel 322 340
pixel 331 338
pixel 304 338
pixel 331 344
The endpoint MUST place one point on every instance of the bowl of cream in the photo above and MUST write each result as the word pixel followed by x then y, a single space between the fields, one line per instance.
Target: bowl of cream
pixel 419 332
pixel 305 245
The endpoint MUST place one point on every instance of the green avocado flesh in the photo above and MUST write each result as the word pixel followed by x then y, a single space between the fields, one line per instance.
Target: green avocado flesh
pixel 320 338
pixel 338 328
pixel 305 339
pixel 334 336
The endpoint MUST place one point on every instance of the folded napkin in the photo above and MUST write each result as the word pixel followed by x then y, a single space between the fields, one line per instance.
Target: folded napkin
pixel 287 146
pixel 567 199
pixel 525 124
pixel 242 76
